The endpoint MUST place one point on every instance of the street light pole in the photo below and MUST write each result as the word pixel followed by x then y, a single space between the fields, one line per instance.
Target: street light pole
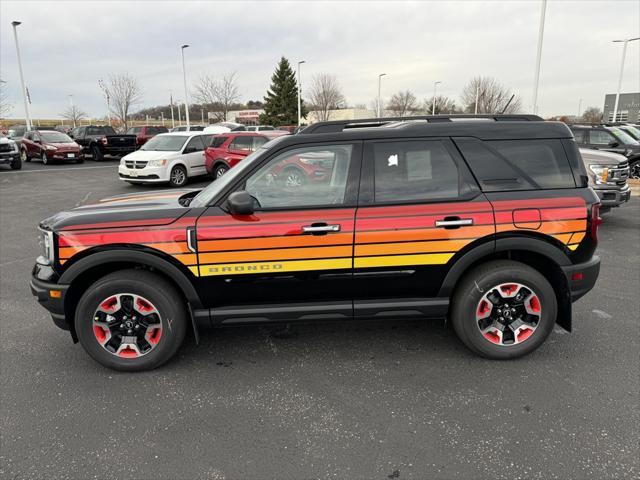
pixel 539 57
pixel 433 108
pixel 624 54
pixel 300 93
pixel 22 85
pixel 186 97
pixel 379 99
pixel 73 114
pixel 579 109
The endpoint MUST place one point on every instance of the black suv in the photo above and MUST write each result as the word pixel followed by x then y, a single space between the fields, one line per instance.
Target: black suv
pixel 610 138
pixel 489 223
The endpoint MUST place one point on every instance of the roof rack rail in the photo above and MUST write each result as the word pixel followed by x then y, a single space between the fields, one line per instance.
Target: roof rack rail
pixel 341 125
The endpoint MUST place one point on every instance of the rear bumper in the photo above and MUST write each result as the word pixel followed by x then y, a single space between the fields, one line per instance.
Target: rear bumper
pixel 582 277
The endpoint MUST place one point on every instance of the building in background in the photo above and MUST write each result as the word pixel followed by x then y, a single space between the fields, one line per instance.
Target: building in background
pixel 628 107
pixel 342 114
pixel 245 117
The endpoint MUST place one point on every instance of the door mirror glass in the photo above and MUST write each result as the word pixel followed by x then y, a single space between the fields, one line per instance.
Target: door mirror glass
pixel 240 203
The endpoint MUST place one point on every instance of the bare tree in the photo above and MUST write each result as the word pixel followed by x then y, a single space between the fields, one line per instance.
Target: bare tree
pixel 403 103
pixel 591 115
pixel 73 114
pixel 443 105
pixel 5 106
pixel 220 95
pixel 124 92
pixel 492 97
pixel 325 95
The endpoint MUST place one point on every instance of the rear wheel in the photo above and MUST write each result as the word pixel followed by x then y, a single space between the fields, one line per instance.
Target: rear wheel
pixel 220 170
pixel 178 176
pixel 96 153
pixel 503 309
pixel 131 320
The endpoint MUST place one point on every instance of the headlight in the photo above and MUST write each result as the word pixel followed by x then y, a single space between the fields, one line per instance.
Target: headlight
pixel 14 145
pixel 601 173
pixel 50 147
pixel 46 245
pixel 156 163
pixel 122 161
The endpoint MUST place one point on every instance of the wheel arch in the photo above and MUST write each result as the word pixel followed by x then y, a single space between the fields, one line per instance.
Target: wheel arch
pixel 535 252
pixel 95 264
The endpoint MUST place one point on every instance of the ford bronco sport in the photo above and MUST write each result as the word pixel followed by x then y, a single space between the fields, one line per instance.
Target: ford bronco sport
pixel 488 222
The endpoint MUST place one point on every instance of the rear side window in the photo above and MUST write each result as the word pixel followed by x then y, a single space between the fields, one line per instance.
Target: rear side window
pixel 518 164
pixel 413 171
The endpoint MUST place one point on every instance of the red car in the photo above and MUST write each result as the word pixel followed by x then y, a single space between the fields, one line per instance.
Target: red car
pixel 49 146
pixel 145 133
pixel 227 149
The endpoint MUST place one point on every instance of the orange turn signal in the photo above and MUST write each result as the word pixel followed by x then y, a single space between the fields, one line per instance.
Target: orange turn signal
pixel 55 293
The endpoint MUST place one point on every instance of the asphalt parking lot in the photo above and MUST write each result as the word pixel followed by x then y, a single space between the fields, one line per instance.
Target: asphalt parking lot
pixel 381 400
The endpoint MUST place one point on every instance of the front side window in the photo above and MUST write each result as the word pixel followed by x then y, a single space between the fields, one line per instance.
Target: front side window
pixel 303 177
pixel 580 136
pixel 600 137
pixel 196 144
pixel 414 170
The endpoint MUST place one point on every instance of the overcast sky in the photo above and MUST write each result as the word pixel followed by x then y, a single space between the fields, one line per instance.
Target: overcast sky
pixel 68 45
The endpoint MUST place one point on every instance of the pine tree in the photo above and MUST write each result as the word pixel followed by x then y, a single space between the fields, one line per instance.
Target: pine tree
pixel 281 102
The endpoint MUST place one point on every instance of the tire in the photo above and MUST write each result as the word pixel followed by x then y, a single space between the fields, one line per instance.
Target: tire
pixel 45 159
pixel 166 317
pixel 471 301
pixel 293 177
pixel 96 154
pixel 24 156
pixel 219 170
pixel 178 176
pixel 634 169
pixel 80 159
pixel 16 163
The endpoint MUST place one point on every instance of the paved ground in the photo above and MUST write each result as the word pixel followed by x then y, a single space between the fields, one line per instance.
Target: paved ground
pixel 368 400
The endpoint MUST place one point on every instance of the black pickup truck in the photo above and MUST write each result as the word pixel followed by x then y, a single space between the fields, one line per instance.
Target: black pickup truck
pixel 99 141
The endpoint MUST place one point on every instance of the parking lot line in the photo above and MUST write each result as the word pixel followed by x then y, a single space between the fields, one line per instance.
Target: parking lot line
pixel 51 170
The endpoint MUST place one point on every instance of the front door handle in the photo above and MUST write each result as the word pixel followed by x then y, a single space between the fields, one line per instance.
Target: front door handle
pixel 320 228
pixel 454 222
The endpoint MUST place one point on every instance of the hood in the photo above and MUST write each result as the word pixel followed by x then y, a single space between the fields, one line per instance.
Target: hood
pixel 63 145
pixel 601 157
pixel 6 140
pixel 139 210
pixel 148 155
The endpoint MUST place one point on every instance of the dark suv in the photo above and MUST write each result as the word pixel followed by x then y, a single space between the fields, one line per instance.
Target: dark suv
pixel 101 140
pixel 488 223
pixel 611 139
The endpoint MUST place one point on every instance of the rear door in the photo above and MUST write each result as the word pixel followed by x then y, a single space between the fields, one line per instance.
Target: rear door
pixel 293 257
pixel 419 208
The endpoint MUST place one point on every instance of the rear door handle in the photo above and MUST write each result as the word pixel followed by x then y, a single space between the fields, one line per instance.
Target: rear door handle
pixel 320 228
pixel 454 222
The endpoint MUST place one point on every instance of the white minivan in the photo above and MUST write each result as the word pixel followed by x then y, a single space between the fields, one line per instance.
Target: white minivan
pixel 167 158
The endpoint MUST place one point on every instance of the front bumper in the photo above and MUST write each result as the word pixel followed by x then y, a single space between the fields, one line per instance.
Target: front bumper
pixel 582 277
pixel 143 175
pixel 65 155
pixel 613 197
pixel 7 158
pixel 49 293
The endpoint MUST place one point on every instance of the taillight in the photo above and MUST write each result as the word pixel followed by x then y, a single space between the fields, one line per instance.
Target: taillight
pixel 103 140
pixel 595 221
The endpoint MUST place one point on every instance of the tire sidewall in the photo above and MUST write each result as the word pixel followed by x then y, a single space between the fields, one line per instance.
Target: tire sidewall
pixel 45 159
pixel 173 320
pixel 220 167
pixel 469 296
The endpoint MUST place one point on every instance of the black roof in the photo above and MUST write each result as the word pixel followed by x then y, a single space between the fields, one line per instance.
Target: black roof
pixel 506 128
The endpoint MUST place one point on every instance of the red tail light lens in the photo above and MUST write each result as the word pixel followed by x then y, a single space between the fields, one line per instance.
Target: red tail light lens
pixel 595 221
pixel 104 140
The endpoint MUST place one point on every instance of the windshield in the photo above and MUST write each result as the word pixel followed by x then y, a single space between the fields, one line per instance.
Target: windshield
pixel 100 131
pixel 633 131
pixel 165 143
pixel 209 193
pixel 623 136
pixel 55 137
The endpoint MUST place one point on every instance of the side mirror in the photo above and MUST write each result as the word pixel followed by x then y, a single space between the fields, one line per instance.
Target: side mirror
pixel 240 203
pixel 613 144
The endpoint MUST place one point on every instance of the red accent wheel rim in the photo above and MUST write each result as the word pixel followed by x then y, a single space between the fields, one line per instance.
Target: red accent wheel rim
pixel 508 314
pixel 127 325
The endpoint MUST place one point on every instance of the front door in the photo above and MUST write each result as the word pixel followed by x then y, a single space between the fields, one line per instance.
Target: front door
pixel 419 207
pixel 604 140
pixel 291 259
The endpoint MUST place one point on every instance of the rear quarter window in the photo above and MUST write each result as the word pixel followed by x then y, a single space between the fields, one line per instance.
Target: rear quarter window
pixel 503 165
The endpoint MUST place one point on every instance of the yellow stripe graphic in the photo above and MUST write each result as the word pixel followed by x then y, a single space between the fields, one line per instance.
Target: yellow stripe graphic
pixel 403 260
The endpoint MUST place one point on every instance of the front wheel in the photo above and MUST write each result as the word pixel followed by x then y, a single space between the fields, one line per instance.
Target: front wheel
pixel 24 156
pixel 131 320
pixel 503 309
pixel 178 176
pixel 16 163
pixel 45 159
